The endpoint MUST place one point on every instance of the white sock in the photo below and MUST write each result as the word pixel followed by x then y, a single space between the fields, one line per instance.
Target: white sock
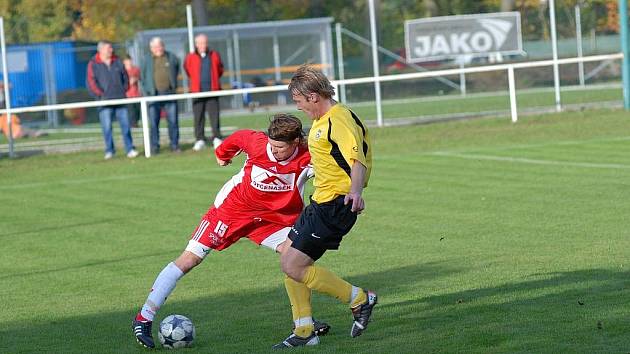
pixel 354 293
pixel 162 288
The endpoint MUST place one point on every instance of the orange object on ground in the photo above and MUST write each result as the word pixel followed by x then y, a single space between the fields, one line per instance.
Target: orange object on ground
pixel 16 127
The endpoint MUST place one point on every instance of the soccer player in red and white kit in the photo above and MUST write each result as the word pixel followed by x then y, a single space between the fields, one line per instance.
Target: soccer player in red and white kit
pixel 261 203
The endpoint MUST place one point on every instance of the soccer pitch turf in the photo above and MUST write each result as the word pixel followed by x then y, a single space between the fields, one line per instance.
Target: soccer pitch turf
pixel 479 236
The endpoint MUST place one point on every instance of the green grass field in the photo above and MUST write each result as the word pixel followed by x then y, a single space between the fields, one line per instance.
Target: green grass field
pixel 479 236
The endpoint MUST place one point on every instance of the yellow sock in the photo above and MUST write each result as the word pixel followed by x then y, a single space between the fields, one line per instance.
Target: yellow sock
pixel 300 298
pixel 322 280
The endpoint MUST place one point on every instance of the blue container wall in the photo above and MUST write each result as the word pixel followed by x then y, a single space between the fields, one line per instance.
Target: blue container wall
pixel 66 75
pixel 29 87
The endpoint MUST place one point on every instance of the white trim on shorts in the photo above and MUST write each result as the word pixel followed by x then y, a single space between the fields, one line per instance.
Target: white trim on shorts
pixel 275 239
pixel 198 249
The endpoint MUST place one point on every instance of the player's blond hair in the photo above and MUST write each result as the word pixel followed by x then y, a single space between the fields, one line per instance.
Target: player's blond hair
pixel 285 127
pixel 307 80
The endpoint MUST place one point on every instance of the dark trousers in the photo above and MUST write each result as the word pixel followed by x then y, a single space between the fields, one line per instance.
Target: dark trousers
pixel 200 107
pixel 134 113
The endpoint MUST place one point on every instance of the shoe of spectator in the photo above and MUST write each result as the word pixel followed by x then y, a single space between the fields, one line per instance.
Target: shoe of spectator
pixel 199 144
pixel 216 142
pixel 176 150
pixel 108 155
pixel 132 154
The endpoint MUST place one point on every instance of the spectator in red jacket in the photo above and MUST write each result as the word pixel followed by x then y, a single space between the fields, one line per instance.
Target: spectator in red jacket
pixel 204 69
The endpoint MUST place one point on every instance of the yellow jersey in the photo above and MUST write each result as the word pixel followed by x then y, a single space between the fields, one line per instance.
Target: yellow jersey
pixel 336 140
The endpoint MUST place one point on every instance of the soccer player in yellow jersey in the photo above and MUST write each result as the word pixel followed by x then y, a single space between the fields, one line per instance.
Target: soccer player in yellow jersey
pixel 341 155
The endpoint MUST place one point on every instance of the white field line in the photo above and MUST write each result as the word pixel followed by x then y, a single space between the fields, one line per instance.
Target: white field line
pixel 70 182
pixel 468 152
pixel 532 161
pixel 460 154
pixel 532 146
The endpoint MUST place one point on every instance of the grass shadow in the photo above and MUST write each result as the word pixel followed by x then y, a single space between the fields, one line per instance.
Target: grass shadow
pixel 557 312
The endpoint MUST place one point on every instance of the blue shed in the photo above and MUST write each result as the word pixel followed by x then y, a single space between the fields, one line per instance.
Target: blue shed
pixel 39 72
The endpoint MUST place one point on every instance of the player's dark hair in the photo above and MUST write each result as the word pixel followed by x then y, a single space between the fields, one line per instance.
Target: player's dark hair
pixel 285 127
pixel 308 80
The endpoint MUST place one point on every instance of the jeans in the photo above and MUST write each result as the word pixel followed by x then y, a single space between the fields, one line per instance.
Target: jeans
pixel 173 123
pixel 106 116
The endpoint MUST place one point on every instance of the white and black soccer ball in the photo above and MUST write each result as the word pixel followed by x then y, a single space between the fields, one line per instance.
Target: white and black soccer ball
pixel 176 331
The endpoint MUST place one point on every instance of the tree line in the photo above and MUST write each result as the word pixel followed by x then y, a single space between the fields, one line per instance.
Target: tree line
pixel 28 21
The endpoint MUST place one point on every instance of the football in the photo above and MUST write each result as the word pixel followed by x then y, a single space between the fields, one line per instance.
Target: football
pixel 176 331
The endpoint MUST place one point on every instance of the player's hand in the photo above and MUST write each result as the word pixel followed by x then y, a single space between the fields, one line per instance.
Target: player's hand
pixel 358 204
pixel 223 162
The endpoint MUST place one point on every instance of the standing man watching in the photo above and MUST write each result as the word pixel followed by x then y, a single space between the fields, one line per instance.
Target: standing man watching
pixel 204 69
pixel 159 77
pixel 107 79
pixel 341 156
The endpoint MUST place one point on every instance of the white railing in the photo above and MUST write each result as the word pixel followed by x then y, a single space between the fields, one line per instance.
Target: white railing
pixel 364 80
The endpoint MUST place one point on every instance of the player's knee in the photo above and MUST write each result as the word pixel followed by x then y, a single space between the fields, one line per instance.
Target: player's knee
pixel 187 261
pixel 290 269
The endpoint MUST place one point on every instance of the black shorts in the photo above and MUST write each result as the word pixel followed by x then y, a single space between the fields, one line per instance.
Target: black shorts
pixel 322 226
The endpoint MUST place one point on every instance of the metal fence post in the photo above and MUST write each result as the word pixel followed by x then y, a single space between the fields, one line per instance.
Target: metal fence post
pixel 578 35
pixel 145 128
pixel 512 88
pixel 462 78
pixel 625 46
pixel 554 45
pixel 377 83
pixel 7 97
pixel 189 21
pixel 342 74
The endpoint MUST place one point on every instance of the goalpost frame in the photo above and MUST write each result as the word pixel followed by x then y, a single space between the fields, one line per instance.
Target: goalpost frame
pixel 625 48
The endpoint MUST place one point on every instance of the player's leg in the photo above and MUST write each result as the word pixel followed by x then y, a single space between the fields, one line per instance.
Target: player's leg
pixel 300 267
pixel 319 228
pixel 275 237
pixel 211 233
pixel 164 285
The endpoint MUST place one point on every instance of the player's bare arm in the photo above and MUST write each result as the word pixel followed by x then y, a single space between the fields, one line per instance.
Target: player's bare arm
pixel 357 178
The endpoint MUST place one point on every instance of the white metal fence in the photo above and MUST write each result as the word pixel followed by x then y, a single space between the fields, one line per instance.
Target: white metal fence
pixel 511 70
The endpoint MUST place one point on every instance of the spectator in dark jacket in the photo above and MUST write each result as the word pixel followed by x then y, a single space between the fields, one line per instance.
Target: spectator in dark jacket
pixel 159 77
pixel 204 69
pixel 107 79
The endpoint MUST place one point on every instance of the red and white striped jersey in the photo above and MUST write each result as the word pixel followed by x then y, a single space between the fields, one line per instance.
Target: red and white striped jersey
pixel 264 188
